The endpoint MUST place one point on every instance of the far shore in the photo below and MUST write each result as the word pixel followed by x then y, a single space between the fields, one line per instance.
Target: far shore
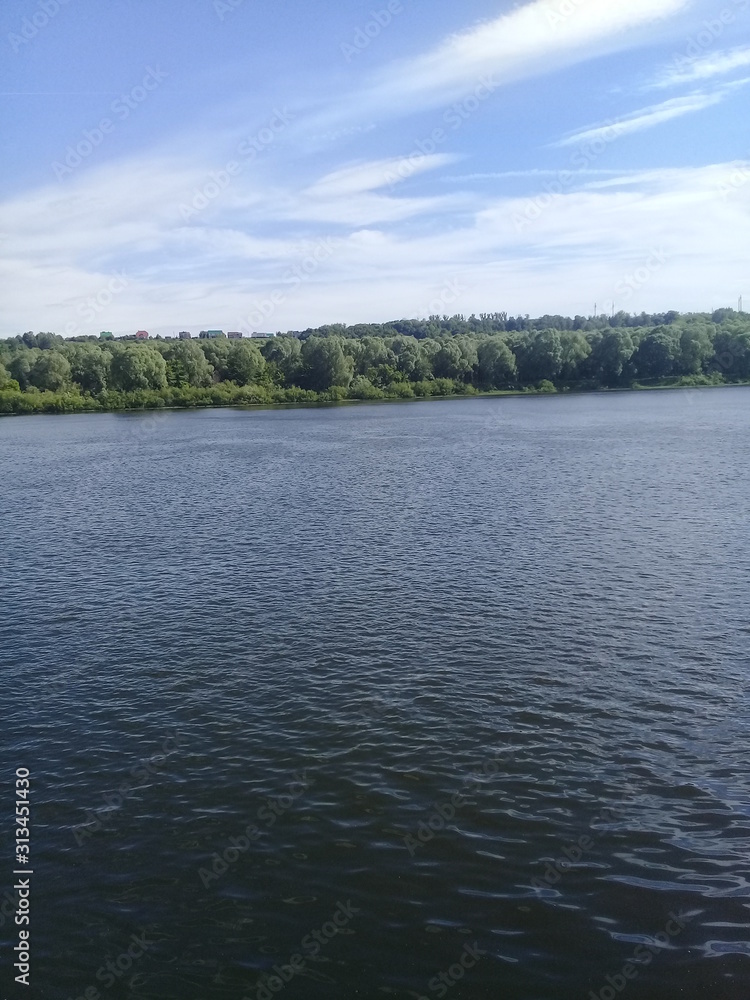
pixel 318 403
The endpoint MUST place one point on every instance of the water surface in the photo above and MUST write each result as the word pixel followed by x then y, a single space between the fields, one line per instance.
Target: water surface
pixel 334 626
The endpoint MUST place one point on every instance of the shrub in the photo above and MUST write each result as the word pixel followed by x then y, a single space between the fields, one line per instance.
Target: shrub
pixel 362 388
pixel 400 390
pixel 423 388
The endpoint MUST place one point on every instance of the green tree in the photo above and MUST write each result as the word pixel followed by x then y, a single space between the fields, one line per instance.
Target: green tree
pixel 411 359
pixel 284 355
pixel 217 354
pixel 609 355
pixel 50 372
pixel 406 357
pixel 468 347
pixel 731 354
pixel 138 367
pixel 383 375
pixel 658 353
pixel 696 350
pixel 6 382
pixel 575 351
pixel 540 357
pixel 49 341
pixel 326 364
pixel 496 363
pixel 245 363
pixel 369 352
pixel 452 360
pixel 89 367
pixel 187 365
pixel 20 366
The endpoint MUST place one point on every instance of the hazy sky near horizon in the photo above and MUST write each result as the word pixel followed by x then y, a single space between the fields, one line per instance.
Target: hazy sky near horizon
pixel 243 164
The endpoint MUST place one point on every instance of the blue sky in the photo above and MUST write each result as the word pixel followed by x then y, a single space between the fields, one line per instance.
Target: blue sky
pixel 248 164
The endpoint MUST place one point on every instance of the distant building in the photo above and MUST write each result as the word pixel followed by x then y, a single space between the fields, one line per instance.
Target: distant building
pixel 141 335
pixel 184 335
pixel 106 335
pixel 234 335
pixel 259 334
pixel 211 334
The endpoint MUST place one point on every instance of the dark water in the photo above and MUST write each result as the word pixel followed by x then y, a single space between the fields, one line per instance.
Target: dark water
pixel 336 626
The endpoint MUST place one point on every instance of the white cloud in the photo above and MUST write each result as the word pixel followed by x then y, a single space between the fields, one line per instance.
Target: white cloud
pixel 394 246
pixel 530 40
pixel 655 114
pixel 704 67
pixel 575 251
pixel 361 177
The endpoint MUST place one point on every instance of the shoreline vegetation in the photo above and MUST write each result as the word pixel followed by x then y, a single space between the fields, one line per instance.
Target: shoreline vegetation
pixel 443 357
pixel 62 403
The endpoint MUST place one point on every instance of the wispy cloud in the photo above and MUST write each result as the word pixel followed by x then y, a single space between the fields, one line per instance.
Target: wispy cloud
pixel 334 174
pixel 655 114
pixel 531 173
pixel 579 247
pixel 531 40
pixel 704 67
pixel 370 176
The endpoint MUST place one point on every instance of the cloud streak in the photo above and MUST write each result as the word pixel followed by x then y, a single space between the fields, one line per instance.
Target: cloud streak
pixel 530 40
pixel 645 118
pixel 704 67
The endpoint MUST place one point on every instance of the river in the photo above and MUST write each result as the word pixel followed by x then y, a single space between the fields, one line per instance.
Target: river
pixel 382 701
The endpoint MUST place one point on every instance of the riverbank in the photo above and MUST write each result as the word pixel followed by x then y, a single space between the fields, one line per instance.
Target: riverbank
pixel 14 403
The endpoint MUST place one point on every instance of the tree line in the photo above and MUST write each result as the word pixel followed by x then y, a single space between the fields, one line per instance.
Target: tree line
pixel 440 356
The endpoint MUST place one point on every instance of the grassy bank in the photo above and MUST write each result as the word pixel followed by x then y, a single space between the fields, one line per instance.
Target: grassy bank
pixel 227 394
